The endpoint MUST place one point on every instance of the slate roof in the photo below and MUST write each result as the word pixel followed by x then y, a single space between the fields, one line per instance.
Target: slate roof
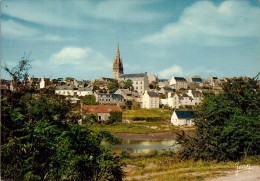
pixel 180 79
pixel 152 94
pixel 101 108
pixel 118 96
pixel 185 114
pixel 167 88
pixel 196 80
pixel 132 75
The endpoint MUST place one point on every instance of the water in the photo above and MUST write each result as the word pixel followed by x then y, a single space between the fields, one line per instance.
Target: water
pixel 142 147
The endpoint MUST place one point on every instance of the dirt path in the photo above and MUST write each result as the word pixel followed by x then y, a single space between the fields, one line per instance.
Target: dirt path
pixel 252 174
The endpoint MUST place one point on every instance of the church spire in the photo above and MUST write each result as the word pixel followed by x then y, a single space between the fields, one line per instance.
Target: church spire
pixel 118 64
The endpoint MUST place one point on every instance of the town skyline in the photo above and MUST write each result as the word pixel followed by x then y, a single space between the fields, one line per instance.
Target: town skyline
pixel 219 38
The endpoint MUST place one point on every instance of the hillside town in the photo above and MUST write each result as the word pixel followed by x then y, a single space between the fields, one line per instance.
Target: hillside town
pixel 131 90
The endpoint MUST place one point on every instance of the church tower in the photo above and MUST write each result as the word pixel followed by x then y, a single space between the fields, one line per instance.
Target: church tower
pixel 117 65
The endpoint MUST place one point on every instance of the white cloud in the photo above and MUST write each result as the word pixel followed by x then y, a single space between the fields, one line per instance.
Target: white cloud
pixel 174 70
pixel 80 56
pixel 207 24
pixel 74 61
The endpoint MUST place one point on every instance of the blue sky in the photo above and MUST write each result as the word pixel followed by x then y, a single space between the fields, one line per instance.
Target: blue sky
pixel 167 37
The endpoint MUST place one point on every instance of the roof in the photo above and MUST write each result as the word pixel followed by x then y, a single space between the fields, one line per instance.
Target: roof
pixel 185 114
pixel 180 79
pixel 197 80
pixel 167 88
pixel 101 108
pixel 132 75
pixel 152 94
pixel 115 96
pixel 84 89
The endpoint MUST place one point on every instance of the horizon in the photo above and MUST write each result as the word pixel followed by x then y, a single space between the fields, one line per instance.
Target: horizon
pixel 168 38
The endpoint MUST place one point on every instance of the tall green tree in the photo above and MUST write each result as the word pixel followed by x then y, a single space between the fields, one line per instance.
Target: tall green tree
pixel 228 124
pixel 88 100
pixel 40 140
pixel 112 87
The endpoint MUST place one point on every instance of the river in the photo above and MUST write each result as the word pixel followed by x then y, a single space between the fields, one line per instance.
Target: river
pixel 145 146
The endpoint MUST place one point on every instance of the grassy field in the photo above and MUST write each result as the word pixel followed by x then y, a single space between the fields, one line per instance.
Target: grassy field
pixel 172 168
pixel 157 121
pixel 152 114
pixel 141 128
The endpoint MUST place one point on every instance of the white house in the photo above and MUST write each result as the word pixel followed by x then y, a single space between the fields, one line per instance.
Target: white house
pixel 65 91
pixel 196 96
pixel 140 81
pixel 44 82
pixel 150 100
pixel 178 83
pixel 180 118
pixel 173 100
pixel 84 91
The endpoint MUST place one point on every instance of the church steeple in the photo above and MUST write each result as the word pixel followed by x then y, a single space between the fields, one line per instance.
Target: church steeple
pixel 117 65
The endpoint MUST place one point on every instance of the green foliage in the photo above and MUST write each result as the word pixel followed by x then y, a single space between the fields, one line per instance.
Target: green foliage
pixel 112 87
pixel 128 84
pixel 90 118
pixel 88 100
pixel 39 143
pixel 19 73
pixel 114 117
pixel 228 126
pixel 41 140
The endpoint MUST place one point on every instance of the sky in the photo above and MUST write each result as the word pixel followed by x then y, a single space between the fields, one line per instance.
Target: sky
pixel 78 38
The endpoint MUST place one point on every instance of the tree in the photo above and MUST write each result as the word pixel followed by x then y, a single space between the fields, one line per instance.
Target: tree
pixel 40 140
pixel 112 87
pixel 128 84
pixel 228 124
pixel 88 100
pixel 19 73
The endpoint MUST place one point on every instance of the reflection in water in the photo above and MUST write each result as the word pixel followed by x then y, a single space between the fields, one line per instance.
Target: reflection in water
pixel 139 147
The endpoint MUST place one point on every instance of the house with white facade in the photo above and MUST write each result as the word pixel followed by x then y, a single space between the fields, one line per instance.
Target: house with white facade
pixel 140 81
pixel 150 100
pixel 173 100
pixel 180 117
pixel 84 91
pixel 196 96
pixel 65 90
pixel 178 83
pixel 44 82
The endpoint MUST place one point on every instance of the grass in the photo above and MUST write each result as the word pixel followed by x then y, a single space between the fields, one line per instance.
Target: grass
pixel 140 128
pixel 160 114
pixel 173 168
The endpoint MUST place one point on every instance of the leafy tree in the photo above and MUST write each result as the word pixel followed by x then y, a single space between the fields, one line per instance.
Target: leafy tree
pixel 19 73
pixel 40 140
pixel 112 87
pixel 69 79
pixel 114 117
pixel 128 84
pixel 88 100
pixel 228 124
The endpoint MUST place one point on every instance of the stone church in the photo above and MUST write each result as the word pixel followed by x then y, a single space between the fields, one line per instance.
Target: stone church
pixel 118 69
